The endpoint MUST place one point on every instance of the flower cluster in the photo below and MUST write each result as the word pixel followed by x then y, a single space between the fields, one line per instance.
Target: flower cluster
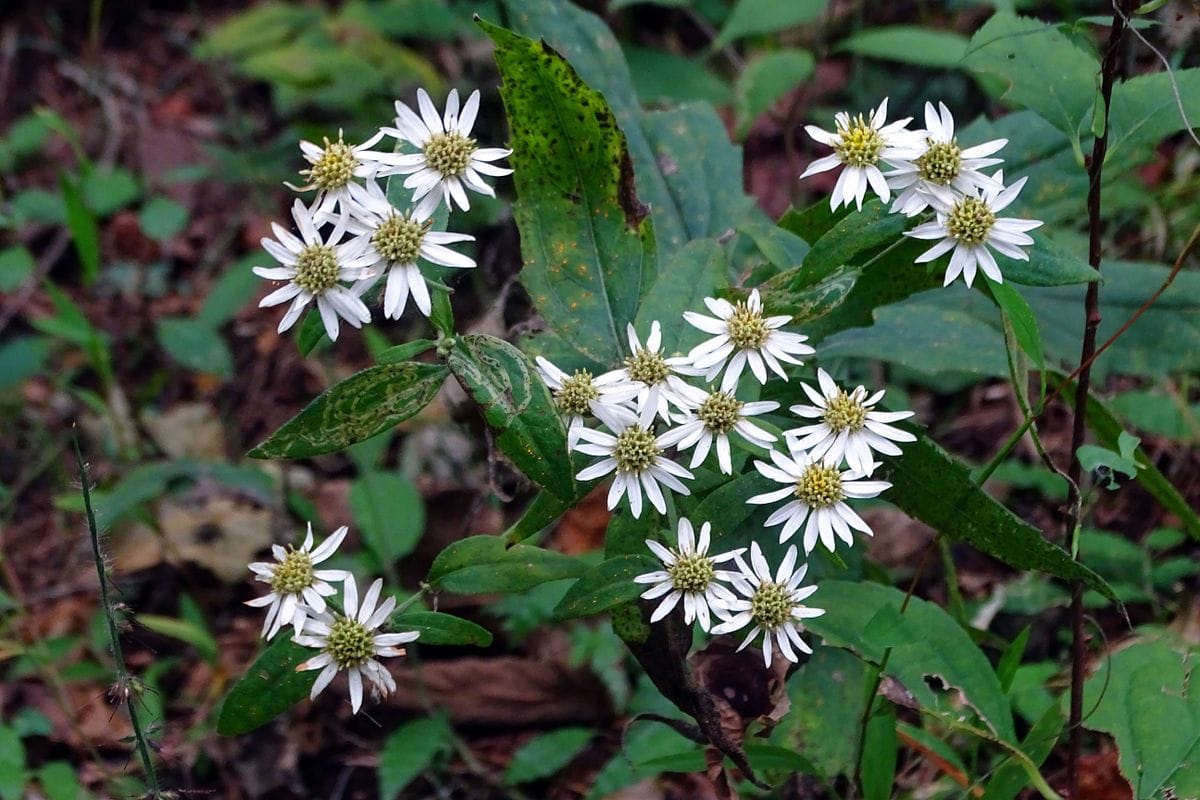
pixel 349 640
pixel 930 171
pixel 365 234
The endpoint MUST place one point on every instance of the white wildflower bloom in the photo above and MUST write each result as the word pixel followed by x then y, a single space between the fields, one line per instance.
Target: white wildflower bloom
pixel 314 268
pixel 970 226
pixel 774 605
pixel 449 161
pixel 861 145
pixel 943 171
pixel 296 587
pixel 818 491
pixel 336 165
pixel 743 336
pixel 635 454
pixel 398 240
pixel 351 642
pixel 657 377
pixel 849 426
pixel 690 575
pixel 582 393
pixel 712 421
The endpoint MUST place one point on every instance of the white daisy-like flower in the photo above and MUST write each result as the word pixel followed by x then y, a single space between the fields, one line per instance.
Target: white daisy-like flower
pixel 335 166
pixel 818 492
pixel 449 159
pixel 970 226
pixel 690 575
pixel 773 605
pixel 314 268
pixel 296 587
pixel 861 145
pixel 657 377
pixel 943 170
pixel 741 336
pixel 849 426
pixel 635 454
pixel 713 420
pixel 582 393
pixel 398 240
pixel 351 642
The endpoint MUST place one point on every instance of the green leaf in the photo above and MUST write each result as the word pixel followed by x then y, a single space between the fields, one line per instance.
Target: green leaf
pixel 827 695
pixel 1048 265
pixel 162 218
pixel 16 265
pixel 195 345
pixel 518 406
pixel 851 236
pixel 1133 693
pixel 12 764
pixel 589 251
pixel 660 77
pixel 768 77
pixel 183 630
pixel 726 507
pixel 1024 323
pixel 1013 776
pixel 358 408
pixel 605 586
pixel 908 44
pixel 441 629
pixel 409 751
pixel 310 333
pixel 753 17
pixel 233 290
pixel 389 512
pixel 257 29
pixel 58 781
pixel 880 751
pixel 1144 109
pixel 546 754
pixel 405 352
pixel 768 758
pixel 1043 69
pixel 927 642
pixel 107 191
pixel 689 276
pixel 1093 457
pixel 270 686
pixel 482 564
pixel 936 488
pixel 84 232
pixel 542 510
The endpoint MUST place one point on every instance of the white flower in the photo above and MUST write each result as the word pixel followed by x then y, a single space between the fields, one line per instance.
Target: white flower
pixel 741 336
pixel 943 170
pixel 296 587
pixel 689 575
pixel 818 491
pixel 580 393
pixel 775 606
pixel 335 166
pixel 657 378
pixel 397 241
pixel 636 455
pixel 850 428
pixel 449 159
pixel 713 419
pixel 970 226
pixel 861 145
pixel 351 643
pixel 313 268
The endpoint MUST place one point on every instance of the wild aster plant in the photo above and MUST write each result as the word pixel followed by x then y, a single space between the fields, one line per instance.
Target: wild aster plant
pixel 581 393
pixel 712 421
pixel 657 377
pixel 637 457
pixel 296 587
pixel 335 167
pixel 690 575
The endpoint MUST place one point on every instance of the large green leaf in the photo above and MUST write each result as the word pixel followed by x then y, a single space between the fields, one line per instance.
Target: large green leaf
pixel 925 641
pixel 518 406
pixel 827 695
pixel 1143 696
pixel 853 235
pixel 588 247
pixel 441 629
pixel 363 405
pixel 690 275
pixel 270 686
pixel 1144 109
pixel 605 586
pixel 482 564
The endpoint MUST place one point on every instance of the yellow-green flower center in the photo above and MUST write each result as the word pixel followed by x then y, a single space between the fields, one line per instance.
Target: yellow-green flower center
pixel 398 239
pixel 349 643
pixel 335 168
pixel 576 393
pixel 316 269
pixel 940 163
pixel 843 412
pixel 771 605
pixel 860 145
pixel 820 486
pixel 720 412
pixel 636 449
pixel 449 153
pixel 970 221
pixel 294 574
pixel 691 573
pixel 747 329
pixel 647 367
